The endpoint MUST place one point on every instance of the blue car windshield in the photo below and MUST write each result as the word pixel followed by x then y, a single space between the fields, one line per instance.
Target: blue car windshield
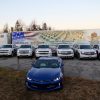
pixel 25 46
pixel 64 47
pixel 46 64
pixel 43 46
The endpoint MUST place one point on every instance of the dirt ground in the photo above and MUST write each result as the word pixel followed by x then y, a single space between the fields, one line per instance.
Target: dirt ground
pixel 12 87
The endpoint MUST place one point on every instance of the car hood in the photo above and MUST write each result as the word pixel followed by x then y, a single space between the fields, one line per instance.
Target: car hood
pixel 44 73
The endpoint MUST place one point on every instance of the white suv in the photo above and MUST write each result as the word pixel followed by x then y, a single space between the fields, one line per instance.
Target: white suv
pixel 43 50
pixel 25 50
pixel 64 50
pixel 8 50
pixel 84 51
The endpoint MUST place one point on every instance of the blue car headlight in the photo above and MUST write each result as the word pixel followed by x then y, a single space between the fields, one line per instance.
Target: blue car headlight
pixel 56 79
pixel 29 79
pixel 59 77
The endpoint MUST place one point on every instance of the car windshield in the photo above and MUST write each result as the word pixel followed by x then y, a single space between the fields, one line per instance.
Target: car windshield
pixel 25 46
pixel 7 46
pixel 47 64
pixel 43 46
pixel 64 47
pixel 85 47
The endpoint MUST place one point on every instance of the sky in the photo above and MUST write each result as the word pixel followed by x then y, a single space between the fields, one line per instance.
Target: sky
pixel 59 14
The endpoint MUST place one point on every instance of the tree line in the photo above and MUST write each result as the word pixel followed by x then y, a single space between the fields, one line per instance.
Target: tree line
pixel 19 26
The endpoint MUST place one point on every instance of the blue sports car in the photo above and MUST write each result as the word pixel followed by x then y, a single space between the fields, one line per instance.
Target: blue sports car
pixel 46 74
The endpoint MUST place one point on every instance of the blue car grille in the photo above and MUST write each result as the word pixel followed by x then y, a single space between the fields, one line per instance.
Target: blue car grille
pixel 42 81
pixel 44 86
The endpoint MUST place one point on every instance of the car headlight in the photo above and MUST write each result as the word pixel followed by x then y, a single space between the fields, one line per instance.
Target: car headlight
pixel 29 79
pixel 30 51
pixel 82 52
pixel 56 79
pixel 95 52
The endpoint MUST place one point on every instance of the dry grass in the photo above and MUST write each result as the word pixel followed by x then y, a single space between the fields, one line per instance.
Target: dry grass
pixel 12 87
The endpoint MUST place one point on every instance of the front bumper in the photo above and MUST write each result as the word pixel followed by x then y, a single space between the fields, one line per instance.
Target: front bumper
pixel 44 86
pixel 65 55
pixel 43 54
pixel 26 54
pixel 88 56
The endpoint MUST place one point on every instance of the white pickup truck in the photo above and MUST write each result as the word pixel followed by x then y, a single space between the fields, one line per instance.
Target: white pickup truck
pixel 43 50
pixel 64 50
pixel 25 50
pixel 8 50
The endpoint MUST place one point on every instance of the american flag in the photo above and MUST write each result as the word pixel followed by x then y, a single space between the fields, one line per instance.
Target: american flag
pixel 18 35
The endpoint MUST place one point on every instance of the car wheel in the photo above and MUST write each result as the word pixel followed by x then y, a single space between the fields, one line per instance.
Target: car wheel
pixel 28 89
pixel 12 54
pixel 79 56
pixel 99 57
pixel 61 85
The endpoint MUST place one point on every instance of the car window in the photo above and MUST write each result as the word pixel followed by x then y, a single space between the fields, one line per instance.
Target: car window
pixel 43 46
pixel 25 46
pixel 85 47
pixel 46 64
pixel 7 46
pixel 63 47
pixel 96 47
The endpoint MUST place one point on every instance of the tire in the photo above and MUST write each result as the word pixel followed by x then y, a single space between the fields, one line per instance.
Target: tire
pixel 99 57
pixel 61 85
pixel 12 54
pixel 78 56
pixel 28 89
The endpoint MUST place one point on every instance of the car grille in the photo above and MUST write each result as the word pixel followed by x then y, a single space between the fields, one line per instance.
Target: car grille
pixel 4 51
pixel 43 52
pixel 24 51
pixel 66 52
pixel 44 86
pixel 89 53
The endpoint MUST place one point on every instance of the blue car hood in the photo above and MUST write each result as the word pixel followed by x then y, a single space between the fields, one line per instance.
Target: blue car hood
pixel 44 73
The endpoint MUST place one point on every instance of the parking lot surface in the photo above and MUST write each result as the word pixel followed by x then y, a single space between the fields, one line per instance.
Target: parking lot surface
pixel 89 69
